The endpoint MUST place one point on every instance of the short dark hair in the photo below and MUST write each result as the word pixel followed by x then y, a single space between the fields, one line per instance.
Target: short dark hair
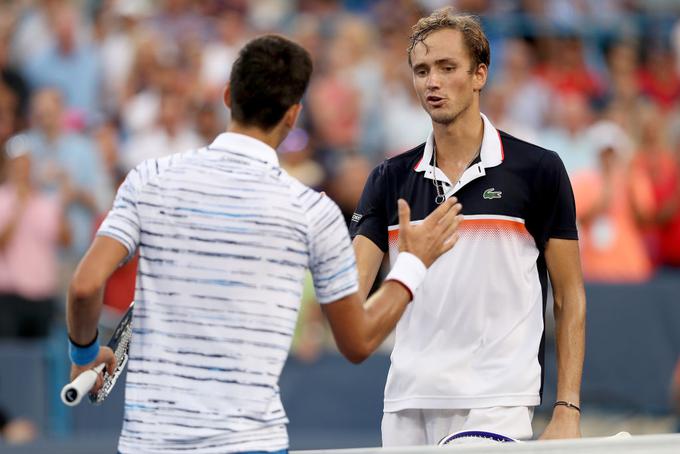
pixel 473 35
pixel 270 75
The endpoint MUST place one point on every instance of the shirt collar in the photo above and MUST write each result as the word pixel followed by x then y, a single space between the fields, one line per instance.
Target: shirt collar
pixel 245 145
pixel 491 153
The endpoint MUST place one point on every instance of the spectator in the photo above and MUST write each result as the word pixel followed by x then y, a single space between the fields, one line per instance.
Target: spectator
pixel 33 34
pixel 608 206
pixel 655 162
pixel 141 92
pixel 567 135
pixel 658 78
pixel 16 431
pixel 31 227
pixel 71 66
pixel 566 71
pixel 69 161
pixel 116 30
pixel 399 104
pixel 218 55
pixel 12 83
pixel 171 134
pixel 529 99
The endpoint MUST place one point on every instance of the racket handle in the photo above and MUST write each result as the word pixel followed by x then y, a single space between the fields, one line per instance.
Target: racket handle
pixel 73 393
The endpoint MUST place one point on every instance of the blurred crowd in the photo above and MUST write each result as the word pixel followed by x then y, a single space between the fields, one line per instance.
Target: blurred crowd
pixel 90 88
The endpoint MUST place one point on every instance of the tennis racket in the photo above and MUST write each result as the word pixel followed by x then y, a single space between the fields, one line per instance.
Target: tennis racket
pixel 73 393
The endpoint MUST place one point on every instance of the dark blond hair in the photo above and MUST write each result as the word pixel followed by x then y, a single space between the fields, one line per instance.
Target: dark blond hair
pixel 473 36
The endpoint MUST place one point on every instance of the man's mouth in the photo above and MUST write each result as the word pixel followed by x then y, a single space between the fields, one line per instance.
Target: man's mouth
pixel 435 101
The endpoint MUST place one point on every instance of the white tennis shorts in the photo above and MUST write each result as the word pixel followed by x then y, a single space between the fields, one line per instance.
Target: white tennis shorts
pixel 413 427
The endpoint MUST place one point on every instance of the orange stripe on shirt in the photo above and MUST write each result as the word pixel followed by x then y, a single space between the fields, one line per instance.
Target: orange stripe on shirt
pixel 496 224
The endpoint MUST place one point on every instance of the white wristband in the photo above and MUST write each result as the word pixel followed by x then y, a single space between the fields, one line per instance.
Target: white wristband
pixel 408 270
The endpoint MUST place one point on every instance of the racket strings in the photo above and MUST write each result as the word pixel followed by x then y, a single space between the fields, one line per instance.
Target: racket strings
pixel 121 354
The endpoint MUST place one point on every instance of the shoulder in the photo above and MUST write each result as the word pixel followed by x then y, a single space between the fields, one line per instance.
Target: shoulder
pixel 518 150
pixel 151 169
pixel 308 199
pixel 404 162
pixel 397 167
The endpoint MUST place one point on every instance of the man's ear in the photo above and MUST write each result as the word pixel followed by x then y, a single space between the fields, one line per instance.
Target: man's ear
pixel 479 76
pixel 227 95
pixel 292 115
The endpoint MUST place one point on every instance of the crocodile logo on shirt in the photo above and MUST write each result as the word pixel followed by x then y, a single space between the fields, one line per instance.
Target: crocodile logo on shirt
pixel 491 193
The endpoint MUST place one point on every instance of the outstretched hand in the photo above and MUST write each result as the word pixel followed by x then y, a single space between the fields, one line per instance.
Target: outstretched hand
pixel 434 236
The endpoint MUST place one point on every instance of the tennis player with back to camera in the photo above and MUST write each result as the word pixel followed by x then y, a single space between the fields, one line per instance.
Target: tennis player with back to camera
pixel 224 238
pixel 468 353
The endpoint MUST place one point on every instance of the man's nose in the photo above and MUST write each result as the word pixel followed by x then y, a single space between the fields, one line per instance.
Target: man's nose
pixel 432 80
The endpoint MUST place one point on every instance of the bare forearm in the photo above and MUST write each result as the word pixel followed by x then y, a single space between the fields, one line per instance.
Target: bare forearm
pixel 85 292
pixel 383 310
pixel 570 339
pixel 82 314
pixel 6 234
pixel 369 258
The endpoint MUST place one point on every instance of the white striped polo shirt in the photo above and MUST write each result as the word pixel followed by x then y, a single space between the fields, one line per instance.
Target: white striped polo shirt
pixel 225 237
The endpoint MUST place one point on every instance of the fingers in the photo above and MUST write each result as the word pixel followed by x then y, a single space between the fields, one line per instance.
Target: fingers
pixel 451 226
pixel 404 215
pixel 110 361
pixel 441 210
pixel 98 384
pixel 111 365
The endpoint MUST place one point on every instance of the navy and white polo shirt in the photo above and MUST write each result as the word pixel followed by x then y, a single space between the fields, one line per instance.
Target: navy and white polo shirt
pixel 473 335
pixel 225 237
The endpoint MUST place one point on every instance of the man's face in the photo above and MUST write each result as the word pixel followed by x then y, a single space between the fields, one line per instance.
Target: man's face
pixel 443 76
pixel 47 110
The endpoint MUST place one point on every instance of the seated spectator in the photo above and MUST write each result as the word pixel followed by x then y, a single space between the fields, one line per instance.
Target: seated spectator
pixel 31 227
pixel 608 206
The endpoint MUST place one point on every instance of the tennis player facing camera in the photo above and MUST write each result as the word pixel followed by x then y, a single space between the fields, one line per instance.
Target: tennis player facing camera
pixel 468 352
pixel 225 237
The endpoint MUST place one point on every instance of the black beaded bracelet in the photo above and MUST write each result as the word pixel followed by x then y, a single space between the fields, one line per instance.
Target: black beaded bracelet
pixel 567 404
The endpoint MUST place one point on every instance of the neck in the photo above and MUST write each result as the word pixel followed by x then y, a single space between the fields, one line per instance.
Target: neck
pixel 459 141
pixel 273 137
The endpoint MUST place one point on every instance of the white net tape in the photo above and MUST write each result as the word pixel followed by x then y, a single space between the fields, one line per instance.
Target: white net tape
pixel 639 444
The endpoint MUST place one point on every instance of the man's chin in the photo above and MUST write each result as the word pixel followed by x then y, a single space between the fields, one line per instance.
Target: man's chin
pixel 442 118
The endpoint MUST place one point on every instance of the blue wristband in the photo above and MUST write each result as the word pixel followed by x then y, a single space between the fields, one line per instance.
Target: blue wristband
pixel 81 356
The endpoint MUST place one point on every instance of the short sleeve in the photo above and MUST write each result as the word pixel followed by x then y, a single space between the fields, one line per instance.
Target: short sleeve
pixel 331 261
pixel 122 223
pixel 370 217
pixel 556 208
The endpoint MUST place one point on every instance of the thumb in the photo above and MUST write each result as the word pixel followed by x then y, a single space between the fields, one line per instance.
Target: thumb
pixel 404 215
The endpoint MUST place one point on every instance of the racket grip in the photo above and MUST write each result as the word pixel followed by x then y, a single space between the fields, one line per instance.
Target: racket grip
pixel 73 393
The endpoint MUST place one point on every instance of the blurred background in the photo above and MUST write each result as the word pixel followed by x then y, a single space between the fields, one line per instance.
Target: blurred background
pixel 90 88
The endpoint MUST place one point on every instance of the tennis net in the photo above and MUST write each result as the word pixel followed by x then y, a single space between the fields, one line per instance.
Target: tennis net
pixel 639 444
